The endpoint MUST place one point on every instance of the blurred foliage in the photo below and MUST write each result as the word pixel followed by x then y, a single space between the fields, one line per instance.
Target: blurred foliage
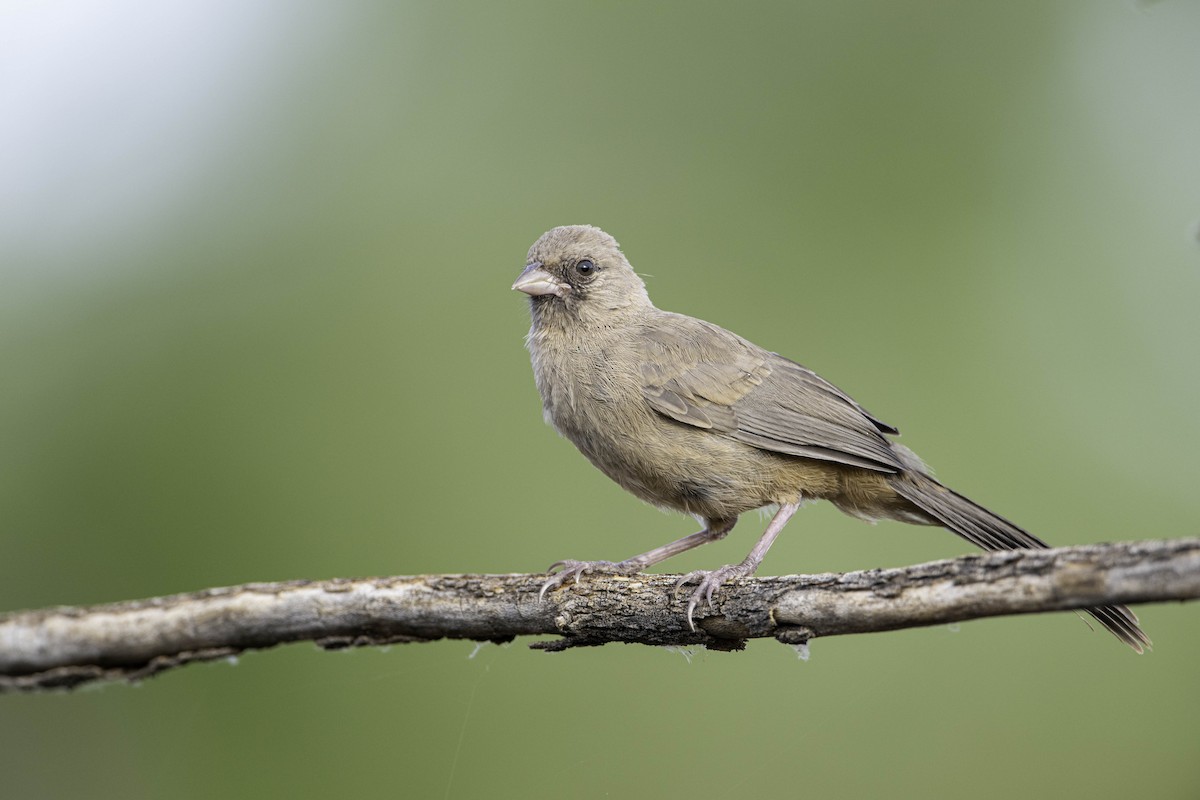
pixel 255 324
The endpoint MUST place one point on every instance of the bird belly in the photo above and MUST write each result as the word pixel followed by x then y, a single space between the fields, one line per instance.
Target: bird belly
pixel 678 467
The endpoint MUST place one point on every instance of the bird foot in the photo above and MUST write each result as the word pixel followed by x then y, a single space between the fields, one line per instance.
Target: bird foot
pixel 563 571
pixel 710 581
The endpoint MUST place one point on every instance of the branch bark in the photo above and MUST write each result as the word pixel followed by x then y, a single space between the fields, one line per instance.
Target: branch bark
pixel 65 647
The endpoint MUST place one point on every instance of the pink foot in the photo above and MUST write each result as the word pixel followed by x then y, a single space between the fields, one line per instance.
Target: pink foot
pixel 710 581
pixel 563 571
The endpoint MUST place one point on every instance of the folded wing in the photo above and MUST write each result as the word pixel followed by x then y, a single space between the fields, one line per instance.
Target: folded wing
pixel 702 375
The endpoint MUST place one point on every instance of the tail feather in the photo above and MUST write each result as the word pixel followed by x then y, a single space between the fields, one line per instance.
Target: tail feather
pixel 990 531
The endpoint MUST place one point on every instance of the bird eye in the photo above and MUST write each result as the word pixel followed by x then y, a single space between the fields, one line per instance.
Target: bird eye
pixel 585 267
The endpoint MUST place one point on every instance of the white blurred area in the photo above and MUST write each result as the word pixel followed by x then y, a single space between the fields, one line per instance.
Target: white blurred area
pixel 113 113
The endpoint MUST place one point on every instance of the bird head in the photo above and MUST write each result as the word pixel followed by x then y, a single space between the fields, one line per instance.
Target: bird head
pixel 579 272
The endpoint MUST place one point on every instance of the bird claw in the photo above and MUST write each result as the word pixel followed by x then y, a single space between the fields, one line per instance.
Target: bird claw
pixel 562 571
pixel 710 581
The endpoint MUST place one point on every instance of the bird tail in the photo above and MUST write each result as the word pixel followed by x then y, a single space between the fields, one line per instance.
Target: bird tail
pixel 990 531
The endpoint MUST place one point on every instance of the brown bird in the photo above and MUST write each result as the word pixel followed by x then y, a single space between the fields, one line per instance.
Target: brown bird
pixel 691 417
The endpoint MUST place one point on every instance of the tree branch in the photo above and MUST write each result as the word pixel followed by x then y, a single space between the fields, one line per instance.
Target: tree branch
pixel 65 647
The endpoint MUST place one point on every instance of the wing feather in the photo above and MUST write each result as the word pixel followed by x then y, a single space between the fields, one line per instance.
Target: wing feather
pixel 702 375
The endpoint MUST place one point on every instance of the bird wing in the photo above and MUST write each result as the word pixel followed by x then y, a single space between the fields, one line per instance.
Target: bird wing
pixel 703 375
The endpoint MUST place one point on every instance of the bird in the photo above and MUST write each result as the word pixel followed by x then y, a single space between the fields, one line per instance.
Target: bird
pixel 693 418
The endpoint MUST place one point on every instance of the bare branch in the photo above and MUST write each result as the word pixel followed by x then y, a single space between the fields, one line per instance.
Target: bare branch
pixel 65 647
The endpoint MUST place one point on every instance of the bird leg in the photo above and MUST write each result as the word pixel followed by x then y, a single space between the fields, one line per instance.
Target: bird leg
pixel 563 571
pixel 710 581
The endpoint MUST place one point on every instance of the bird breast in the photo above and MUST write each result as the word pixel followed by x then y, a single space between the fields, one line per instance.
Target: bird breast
pixel 592 395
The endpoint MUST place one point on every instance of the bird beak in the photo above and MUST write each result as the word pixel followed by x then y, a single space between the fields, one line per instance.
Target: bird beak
pixel 536 281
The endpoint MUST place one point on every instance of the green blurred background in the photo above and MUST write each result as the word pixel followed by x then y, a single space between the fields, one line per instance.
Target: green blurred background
pixel 255 324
